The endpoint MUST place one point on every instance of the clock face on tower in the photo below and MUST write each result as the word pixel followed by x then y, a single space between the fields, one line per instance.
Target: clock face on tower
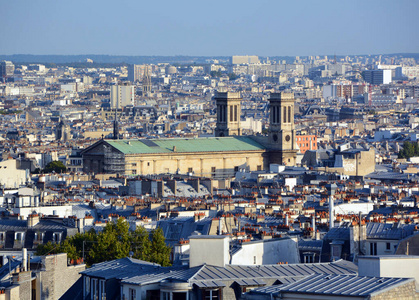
pixel 287 137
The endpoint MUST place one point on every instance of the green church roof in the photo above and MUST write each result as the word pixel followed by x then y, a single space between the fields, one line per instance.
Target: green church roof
pixel 182 145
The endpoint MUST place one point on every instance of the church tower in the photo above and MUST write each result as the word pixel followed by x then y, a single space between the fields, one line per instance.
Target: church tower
pixel 116 125
pixel 228 113
pixel 281 129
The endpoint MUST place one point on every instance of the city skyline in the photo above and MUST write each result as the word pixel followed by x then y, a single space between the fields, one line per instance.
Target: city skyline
pixel 221 29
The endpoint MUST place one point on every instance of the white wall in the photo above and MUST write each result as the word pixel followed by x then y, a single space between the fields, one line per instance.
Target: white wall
pixel 267 252
pixel 10 176
pixel 209 249
pixel 389 266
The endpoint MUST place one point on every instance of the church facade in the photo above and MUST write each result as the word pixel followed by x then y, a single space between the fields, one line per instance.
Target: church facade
pixel 217 157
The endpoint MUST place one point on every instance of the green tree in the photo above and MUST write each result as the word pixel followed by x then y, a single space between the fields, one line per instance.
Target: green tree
pixel 160 252
pixel 48 248
pixel 141 244
pixel 56 166
pixel 114 242
pixel 232 76
pixel 409 150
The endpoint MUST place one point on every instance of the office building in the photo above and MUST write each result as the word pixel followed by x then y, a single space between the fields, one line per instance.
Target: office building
pixel 7 69
pixel 377 77
pixel 122 95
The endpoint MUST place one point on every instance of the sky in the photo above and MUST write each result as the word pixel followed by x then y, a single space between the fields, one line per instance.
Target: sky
pixel 209 28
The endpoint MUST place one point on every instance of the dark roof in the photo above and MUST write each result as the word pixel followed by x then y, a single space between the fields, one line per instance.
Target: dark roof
pixel 337 285
pixel 209 275
pixel 389 231
pixel 120 268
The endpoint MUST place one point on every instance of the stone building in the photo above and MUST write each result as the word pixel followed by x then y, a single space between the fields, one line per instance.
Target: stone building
pixel 217 157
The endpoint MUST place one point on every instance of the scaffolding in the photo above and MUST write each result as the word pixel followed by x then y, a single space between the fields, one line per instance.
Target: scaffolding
pixel 114 162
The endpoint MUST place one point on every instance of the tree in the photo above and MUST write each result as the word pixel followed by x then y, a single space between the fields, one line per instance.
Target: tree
pixel 114 242
pixel 160 252
pixel 409 150
pixel 56 166
pixel 232 76
pixel 141 244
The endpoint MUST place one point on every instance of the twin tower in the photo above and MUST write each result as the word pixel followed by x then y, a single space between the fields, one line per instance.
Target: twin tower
pixel 280 142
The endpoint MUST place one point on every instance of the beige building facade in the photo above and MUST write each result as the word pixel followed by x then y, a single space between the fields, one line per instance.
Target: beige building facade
pixel 217 157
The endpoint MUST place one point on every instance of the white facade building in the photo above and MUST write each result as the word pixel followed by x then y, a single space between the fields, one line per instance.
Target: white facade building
pixel 122 95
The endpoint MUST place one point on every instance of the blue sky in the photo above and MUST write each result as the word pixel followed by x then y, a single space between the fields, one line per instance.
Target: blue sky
pixel 209 28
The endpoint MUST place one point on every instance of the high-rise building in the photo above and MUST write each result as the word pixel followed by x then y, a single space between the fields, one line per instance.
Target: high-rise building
pixel 7 69
pixel 137 72
pixel 377 77
pixel 228 114
pixel 245 59
pixel 122 95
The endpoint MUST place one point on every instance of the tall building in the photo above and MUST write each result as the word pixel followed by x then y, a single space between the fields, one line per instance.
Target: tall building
pixel 7 69
pixel 377 77
pixel 137 72
pixel 122 95
pixel 228 114
pixel 245 59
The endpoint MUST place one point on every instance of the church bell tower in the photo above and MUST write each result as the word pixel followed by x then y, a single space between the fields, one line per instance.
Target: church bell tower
pixel 228 114
pixel 281 129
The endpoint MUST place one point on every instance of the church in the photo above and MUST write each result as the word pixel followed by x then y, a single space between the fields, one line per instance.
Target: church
pixel 217 157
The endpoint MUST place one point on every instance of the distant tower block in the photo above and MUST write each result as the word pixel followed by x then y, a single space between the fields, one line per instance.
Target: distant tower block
pixel 282 129
pixel 228 114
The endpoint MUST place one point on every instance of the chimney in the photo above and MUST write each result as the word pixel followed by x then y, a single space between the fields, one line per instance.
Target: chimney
pixel 24 259
pixel 33 219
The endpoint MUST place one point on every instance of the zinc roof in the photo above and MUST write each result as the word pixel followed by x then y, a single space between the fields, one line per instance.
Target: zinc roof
pixel 212 144
pixel 342 285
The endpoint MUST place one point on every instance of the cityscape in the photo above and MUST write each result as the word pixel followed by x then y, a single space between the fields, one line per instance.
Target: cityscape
pixel 163 172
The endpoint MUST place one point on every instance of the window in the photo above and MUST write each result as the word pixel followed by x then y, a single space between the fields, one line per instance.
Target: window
pixel 93 289
pixel 285 114
pixel 134 164
pixel 212 294
pixel 259 168
pixel 132 294
pixel 289 114
pixel 308 258
pixel 235 113
pixel 213 170
pixel 102 294
pixel 231 113
pixel 148 164
pixel 373 248
pixel 86 285
pixel 134 171
pixel 388 246
pixel 254 260
pixel 236 169
pixel 190 170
